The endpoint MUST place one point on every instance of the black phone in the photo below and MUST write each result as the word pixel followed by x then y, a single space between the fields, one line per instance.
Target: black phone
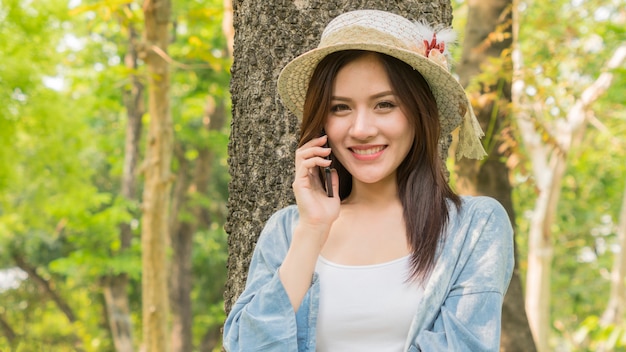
pixel 325 173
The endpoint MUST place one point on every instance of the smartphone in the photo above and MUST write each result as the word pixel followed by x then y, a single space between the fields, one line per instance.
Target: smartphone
pixel 325 173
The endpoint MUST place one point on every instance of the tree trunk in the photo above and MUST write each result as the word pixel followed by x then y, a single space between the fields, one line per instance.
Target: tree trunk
pixel 156 195
pixel 115 287
pixel 264 135
pixel 118 312
pixel 540 254
pixel 487 20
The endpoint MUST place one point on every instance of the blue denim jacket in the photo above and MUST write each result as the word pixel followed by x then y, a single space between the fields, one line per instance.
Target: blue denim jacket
pixel 459 311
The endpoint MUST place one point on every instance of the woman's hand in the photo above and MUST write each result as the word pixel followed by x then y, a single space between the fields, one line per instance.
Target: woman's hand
pixel 317 210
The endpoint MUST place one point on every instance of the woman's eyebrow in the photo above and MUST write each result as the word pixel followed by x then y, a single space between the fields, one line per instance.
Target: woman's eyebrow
pixel 382 94
pixel 375 96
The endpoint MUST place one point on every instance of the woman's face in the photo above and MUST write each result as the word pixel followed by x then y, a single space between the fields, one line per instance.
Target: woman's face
pixel 367 129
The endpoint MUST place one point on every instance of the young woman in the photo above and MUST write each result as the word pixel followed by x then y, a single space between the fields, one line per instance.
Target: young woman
pixel 390 259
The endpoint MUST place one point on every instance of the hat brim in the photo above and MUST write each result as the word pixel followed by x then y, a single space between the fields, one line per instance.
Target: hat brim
pixel 449 94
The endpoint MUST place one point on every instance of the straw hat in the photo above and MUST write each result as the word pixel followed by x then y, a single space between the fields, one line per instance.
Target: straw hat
pixel 417 44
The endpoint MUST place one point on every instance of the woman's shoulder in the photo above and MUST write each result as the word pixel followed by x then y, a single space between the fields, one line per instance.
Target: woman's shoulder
pixel 481 206
pixel 478 212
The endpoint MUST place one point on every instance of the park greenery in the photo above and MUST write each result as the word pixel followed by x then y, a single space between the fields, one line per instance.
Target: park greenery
pixel 63 118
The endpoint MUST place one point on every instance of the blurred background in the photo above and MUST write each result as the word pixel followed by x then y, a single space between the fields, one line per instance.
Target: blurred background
pixel 73 138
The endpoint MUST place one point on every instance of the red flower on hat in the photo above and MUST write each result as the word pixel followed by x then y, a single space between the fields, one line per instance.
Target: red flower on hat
pixel 434 45
pixel 435 41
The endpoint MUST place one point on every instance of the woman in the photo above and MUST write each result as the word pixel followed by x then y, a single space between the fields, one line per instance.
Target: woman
pixel 395 260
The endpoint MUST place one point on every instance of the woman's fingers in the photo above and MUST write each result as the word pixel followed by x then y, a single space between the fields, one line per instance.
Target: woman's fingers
pixel 312 154
pixel 312 163
pixel 310 157
pixel 313 148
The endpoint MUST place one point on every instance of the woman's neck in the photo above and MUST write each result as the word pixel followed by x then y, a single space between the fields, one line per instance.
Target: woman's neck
pixel 376 194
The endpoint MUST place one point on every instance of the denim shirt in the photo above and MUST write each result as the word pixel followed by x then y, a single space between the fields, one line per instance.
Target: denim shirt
pixel 460 310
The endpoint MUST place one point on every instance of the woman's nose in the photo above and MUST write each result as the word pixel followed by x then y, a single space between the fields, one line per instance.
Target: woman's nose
pixel 363 125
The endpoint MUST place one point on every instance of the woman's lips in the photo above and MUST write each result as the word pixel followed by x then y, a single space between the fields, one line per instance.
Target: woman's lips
pixel 367 152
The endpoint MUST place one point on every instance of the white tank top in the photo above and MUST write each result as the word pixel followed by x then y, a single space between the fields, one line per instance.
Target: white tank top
pixel 365 308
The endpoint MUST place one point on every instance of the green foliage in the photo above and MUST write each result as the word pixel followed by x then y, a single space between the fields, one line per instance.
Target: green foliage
pixel 209 262
pixel 62 128
pixel 594 336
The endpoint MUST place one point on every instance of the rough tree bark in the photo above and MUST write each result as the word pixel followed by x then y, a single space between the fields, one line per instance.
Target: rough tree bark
pixel 158 179
pixel 115 287
pixel 488 34
pixel 263 135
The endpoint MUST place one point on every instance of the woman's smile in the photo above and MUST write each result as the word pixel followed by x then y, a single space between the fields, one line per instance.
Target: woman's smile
pixel 367 152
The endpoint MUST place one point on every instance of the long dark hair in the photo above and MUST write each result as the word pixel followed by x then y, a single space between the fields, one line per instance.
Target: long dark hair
pixel 422 186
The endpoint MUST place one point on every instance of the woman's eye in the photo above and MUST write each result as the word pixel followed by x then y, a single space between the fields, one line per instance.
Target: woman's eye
pixel 385 105
pixel 339 108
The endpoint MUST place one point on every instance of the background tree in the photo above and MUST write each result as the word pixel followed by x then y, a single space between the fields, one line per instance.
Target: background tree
pixel 553 157
pixel 158 178
pixel 552 119
pixel 115 286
